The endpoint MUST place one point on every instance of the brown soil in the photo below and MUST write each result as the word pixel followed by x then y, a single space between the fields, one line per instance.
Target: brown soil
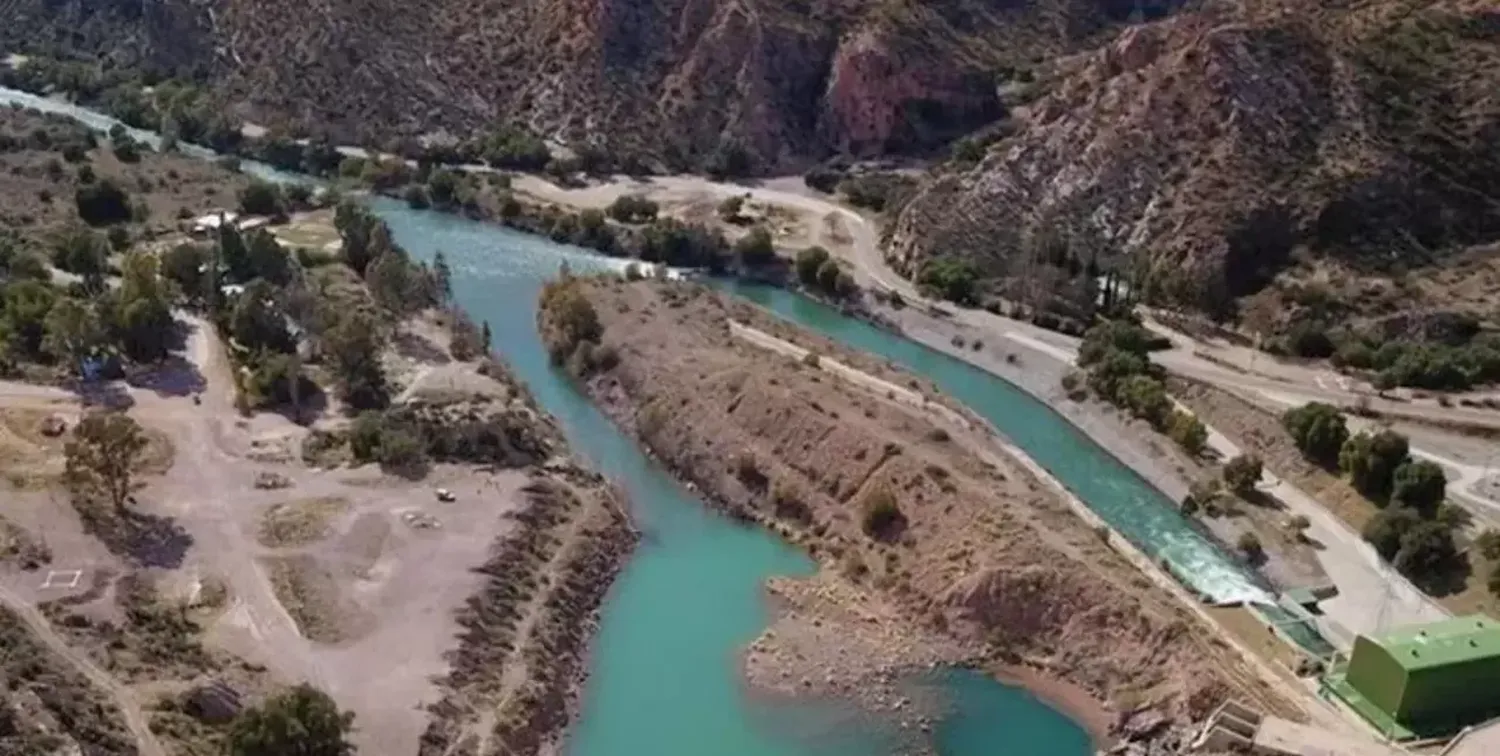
pixel 980 557
pixel 36 197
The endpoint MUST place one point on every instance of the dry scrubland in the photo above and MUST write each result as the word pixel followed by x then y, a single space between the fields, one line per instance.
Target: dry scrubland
pixel 248 553
pixel 933 547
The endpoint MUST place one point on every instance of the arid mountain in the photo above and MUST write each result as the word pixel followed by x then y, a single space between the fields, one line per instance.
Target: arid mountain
pixel 1208 151
pixel 788 80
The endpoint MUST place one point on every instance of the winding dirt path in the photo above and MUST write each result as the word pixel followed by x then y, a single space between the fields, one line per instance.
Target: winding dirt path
pixel 35 621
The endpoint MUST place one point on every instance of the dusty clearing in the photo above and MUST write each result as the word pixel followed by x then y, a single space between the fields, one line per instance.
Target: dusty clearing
pixel 976 552
pixel 324 577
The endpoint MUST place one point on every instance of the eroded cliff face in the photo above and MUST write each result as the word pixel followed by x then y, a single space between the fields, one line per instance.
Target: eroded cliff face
pixel 1200 151
pixel 880 98
pixel 789 80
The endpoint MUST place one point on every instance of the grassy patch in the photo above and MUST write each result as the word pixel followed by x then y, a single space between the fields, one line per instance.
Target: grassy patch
pixel 301 522
pixel 310 595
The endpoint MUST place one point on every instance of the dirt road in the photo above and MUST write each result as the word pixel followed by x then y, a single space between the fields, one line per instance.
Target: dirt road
pixel 140 729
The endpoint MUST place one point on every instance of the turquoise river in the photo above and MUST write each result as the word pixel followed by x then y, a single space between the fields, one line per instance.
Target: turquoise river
pixel 664 678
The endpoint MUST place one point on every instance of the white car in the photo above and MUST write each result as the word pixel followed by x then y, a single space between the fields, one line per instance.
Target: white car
pixel 444 494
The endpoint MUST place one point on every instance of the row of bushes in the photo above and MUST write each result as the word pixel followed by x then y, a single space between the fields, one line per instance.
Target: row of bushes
pixel 1414 529
pixel 1116 355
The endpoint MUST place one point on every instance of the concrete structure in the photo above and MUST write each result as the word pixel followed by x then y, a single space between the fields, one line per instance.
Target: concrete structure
pixel 1236 728
pixel 1483 740
pixel 1423 680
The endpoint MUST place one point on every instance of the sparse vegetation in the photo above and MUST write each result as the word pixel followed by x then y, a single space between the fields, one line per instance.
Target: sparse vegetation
pixel 1242 473
pixel 881 517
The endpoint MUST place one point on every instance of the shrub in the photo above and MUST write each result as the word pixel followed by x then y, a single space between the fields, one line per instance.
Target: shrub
pixel 1298 525
pixel 788 504
pixel 1188 432
pixel 882 519
pixel 633 208
pixel 1249 545
pixel 747 470
pixel 825 180
pixel 729 209
pixel 416 197
pixel 1494 581
pixel 102 203
pixel 1488 544
pixel 952 279
pixel 1242 473
pixel 1318 430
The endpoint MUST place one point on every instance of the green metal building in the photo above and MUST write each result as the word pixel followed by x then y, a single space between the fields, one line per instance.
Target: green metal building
pixel 1423 680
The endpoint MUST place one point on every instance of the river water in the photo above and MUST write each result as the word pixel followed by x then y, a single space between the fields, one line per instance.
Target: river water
pixel 664 669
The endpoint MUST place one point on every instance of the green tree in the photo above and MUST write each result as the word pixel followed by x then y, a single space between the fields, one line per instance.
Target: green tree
pixel 186 266
pixel 830 277
pixel 266 258
pixel 302 721
pixel 1242 473
pixel 102 456
pixel 258 321
pixel 809 262
pixel 1388 527
pixel 353 346
pixel 442 276
pixel 1420 485
pixel 72 331
pixel 143 319
pixel 952 279
pixel 1427 549
pixel 260 198
pixel 1318 430
pixel 26 304
pixel 82 252
pixel 442 187
pixel 1371 461
pixel 755 248
pixel 389 281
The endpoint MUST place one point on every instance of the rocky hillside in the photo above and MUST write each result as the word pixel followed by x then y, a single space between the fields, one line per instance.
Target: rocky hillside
pixel 677 80
pixel 1204 152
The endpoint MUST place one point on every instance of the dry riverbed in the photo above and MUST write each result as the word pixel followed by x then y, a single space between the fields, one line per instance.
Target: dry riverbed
pixel 935 548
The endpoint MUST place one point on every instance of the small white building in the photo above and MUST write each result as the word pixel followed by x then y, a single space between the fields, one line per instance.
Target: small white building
pixel 204 225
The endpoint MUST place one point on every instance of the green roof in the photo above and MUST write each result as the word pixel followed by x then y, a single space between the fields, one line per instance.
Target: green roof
pixel 1441 643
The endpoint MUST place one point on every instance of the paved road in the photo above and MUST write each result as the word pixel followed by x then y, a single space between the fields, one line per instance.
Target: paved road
pixel 139 728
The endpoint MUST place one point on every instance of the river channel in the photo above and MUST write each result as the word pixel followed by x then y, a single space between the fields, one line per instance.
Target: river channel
pixel 665 676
